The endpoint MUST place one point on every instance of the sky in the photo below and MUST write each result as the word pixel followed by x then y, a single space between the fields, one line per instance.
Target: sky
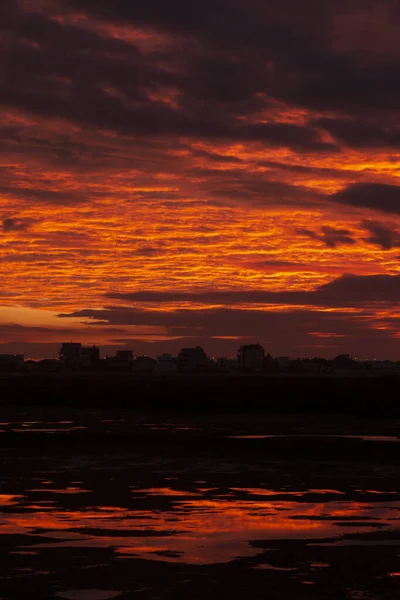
pixel 212 173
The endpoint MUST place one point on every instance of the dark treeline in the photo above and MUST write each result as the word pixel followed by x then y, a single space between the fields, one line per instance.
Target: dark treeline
pixel 366 396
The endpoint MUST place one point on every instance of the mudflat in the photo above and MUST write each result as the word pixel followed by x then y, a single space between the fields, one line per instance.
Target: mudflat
pixel 99 504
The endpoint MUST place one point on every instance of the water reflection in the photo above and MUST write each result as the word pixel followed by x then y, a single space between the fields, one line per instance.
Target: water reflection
pixel 67 490
pixel 365 438
pixel 267 492
pixel 268 567
pixel 193 527
pixel 88 594
pixel 164 492
pixel 41 426
pixel 46 429
pixel 7 499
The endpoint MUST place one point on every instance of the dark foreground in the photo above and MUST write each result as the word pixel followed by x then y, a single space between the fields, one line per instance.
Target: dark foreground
pixel 114 504
pixel 349 393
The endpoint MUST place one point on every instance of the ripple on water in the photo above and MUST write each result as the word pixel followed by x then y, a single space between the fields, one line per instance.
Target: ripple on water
pixel 268 567
pixel 365 438
pixel 200 530
pixel 9 499
pixel 88 594
pixel 67 490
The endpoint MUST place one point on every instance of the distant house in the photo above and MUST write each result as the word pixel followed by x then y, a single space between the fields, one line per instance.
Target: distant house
pixel 71 354
pixel 226 364
pixel 90 357
pixel 75 356
pixel 284 362
pixel 144 364
pixel 122 361
pixel 166 363
pixel 124 357
pixel 251 357
pixel 192 359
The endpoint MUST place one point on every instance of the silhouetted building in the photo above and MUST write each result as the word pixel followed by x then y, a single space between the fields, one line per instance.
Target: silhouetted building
pixel 122 361
pixel 192 359
pixel 49 365
pixel 90 357
pixel 75 356
pixel 251 357
pixel 226 364
pixel 71 354
pixel 144 364
pixel 284 363
pixel 124 357
pixel 166 363
pixel 11 362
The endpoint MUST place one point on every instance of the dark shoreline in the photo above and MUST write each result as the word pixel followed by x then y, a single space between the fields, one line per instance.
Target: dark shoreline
pixel 208 393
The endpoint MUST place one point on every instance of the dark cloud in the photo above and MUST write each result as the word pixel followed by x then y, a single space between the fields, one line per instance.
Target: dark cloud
pixel 156 119
pixel 148 250
pixel 181 102
pixel 347 290
pixel 363 133
pixel 9 294
pixel 382 235
pixel 330 236
pixel 225 63
pixel 11 331
pixel 355 338
pixel 214 157
pixel 314 57
pixel 12 224
pixel 312 330
pixel 37 258
pixel 361 290
pixel 45 195
pixel 336 82
pixel 210 322
pixel 223 330
pixel 100 81
pixel 376 196
pixel 254 189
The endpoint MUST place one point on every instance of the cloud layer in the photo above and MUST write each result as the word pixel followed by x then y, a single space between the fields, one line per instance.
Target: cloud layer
pixel 213 154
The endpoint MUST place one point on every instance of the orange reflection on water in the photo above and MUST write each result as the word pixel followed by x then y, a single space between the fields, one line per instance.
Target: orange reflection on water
pixel 67 490
pixel 165 492
pixel 268 492
pixel 6 499
pixel 198 531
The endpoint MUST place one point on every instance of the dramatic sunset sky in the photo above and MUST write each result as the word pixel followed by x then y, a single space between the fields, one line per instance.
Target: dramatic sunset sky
pixel 219 172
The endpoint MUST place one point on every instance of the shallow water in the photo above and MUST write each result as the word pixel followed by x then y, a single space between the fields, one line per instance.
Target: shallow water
pixel 365 438
pixel 194 527
pixel 157 521
pixel 88 594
